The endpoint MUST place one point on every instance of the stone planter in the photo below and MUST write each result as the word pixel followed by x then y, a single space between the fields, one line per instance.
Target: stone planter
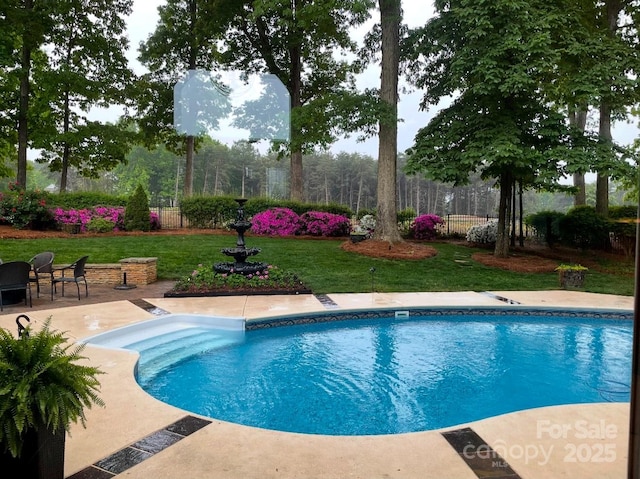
pixel 572 279
pixel 72 228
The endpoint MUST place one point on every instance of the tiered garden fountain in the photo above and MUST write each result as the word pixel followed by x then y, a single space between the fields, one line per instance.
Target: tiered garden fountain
pixel 240 253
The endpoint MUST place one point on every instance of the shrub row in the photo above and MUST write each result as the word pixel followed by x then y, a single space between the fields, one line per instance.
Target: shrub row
pixel 217 211
pixel 40 210
pixel 582 227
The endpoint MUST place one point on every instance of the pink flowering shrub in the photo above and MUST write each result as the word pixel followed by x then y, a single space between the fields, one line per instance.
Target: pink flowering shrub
pixel 317 223
pixel 424 227
pixel 84 216
pixel 276 221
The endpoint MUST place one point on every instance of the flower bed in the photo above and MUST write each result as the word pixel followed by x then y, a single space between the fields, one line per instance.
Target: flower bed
pixel 204 281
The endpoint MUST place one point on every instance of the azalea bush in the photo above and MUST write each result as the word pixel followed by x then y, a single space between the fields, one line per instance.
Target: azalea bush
pixel 206 279
pixel 286 222
pixel 486 233
pixel 425 227
pixel 87 217
pixel 276 222
pixel 25 209
pixel 317 223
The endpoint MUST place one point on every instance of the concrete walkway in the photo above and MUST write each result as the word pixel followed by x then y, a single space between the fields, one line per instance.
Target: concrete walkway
pixel 580 441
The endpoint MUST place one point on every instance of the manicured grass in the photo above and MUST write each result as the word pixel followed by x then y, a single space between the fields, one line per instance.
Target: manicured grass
pixel 320 263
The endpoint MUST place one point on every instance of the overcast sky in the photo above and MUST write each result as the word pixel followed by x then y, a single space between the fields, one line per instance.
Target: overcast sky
pixel 144 18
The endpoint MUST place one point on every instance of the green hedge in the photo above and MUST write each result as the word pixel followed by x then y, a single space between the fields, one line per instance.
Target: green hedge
pixel 208 211
pixel 583 228
pixel 546 225
pixel 84 200
pixel 216 211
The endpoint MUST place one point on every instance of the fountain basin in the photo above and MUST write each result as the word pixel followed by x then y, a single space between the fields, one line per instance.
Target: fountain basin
pixel 244 267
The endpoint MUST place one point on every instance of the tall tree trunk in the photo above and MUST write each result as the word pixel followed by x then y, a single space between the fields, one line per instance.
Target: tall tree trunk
pixel 613 9
pixel 23 107
pixel 602 181
pixel 66 151
pixel 387 210
pixel 578 119
pixel 190 142
pixel 513 216
pixel 297 189
pixel 521 209
pixel 502 241
pixel 296 192
pixel 188 166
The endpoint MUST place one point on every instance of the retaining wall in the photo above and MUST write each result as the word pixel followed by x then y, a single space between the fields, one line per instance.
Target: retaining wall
pixel 138 270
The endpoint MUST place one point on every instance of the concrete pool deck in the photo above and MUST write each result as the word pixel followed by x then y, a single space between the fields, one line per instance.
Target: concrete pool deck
pixel 578 441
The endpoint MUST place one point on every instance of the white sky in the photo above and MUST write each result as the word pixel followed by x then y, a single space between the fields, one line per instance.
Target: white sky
pixel 144 18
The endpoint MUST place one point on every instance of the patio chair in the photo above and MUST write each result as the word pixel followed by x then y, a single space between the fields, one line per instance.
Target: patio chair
pixel 42 265
pixel 14 276
pixel 77 269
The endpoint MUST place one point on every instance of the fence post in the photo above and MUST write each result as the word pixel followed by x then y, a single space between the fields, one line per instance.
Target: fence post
pixel 448 219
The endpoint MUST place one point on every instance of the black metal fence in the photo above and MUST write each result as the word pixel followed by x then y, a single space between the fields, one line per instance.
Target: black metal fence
pixel 170 217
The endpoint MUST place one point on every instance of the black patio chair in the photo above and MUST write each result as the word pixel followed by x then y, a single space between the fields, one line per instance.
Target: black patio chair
pixel 42 265
pixel 77 268
pixel 14 276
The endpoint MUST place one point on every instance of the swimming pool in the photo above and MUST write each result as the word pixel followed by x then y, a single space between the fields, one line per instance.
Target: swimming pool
pixel 416 371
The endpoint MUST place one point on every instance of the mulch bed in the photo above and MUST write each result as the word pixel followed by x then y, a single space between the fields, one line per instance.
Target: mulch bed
pixel 405 250
pixel 519 263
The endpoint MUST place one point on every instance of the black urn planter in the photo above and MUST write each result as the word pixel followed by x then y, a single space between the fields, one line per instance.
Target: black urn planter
pixel 42 455
pixel 357 238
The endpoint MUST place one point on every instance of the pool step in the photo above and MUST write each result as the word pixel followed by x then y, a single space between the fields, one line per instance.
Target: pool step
pixel 165 338
pixel 157 355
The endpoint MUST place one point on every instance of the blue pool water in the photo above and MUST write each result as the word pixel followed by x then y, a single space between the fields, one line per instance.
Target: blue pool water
pixel 385 376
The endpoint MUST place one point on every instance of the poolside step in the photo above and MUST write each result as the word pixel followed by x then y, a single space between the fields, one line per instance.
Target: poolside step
pixel 172 335
pixel 156 357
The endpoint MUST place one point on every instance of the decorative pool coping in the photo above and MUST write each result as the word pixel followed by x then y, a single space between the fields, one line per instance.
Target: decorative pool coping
pixel 408 312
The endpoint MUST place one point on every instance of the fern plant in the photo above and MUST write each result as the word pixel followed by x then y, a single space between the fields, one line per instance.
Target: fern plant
pixel 41 385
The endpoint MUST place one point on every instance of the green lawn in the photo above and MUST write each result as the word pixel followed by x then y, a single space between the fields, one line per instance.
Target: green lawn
pixel 321 264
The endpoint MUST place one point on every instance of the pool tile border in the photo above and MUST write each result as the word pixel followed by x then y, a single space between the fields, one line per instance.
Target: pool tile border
pixel 408 312
pixel 148 307
pixel 143 449
pixel 326 301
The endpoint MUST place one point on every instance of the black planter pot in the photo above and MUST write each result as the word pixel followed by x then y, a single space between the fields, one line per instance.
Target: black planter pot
pixel 42 456
pixel 357 238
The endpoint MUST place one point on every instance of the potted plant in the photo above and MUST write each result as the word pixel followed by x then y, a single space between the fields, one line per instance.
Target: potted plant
pixel 358 234
pixel 571 275
pixel 363 229
pixel 42 391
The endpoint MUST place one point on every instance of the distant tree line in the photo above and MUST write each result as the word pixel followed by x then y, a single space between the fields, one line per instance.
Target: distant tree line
pixel 347 179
